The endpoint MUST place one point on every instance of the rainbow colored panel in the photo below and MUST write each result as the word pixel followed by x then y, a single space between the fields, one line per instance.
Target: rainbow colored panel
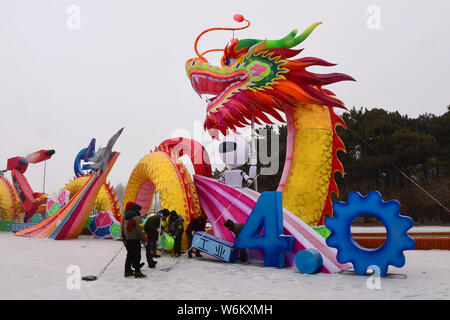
pixel 71 218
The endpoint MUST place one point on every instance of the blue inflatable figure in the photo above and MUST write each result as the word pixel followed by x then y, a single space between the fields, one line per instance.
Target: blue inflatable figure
pixel 397 239
pixel 268 215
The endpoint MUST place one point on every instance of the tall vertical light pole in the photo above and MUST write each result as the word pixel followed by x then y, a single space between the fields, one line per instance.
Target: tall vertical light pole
pixel 45 171
pixel 253 152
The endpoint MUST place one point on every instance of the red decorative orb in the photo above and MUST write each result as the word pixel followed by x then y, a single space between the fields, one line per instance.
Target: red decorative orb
pixel 238 17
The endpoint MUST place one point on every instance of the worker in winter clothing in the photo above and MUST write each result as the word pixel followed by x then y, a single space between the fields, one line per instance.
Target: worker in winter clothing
pixel 151 227
pixel 197 224
pixel 236 228
pixel 132 235
pixel 176 230
pixel 165 221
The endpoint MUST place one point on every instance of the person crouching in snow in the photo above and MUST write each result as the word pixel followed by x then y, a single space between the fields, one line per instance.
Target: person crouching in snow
pixel 236 228
pixel 176 230
pixel 132 235
pixel 197 224
pixel 151 227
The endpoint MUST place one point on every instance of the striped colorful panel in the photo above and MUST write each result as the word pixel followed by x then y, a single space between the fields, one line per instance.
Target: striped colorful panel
pixel 69 221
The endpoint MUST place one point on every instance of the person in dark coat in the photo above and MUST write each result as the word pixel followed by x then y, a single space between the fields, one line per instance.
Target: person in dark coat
pixel 197 224
pixel 165 221
pixel 176 230
pixel 151 227
pixel 236 228
pixel 132 235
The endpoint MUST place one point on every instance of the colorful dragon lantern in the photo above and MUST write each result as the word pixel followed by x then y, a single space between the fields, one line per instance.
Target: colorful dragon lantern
pixel 261 77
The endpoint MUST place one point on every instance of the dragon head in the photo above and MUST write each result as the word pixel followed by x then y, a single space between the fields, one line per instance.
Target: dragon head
pixel 256 78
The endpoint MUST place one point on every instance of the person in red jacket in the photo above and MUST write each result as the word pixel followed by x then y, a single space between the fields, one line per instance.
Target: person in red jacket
pixel 197 224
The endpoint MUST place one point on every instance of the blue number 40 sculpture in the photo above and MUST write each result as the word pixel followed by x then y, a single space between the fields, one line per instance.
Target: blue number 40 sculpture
pixel 264 230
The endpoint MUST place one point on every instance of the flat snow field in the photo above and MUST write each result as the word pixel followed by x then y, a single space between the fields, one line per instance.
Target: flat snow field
pixel 37 269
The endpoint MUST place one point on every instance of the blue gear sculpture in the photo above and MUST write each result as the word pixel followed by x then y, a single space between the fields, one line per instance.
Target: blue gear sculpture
pixel 397 239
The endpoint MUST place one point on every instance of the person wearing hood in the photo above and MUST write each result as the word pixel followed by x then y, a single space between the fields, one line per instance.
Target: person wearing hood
pixel 176 229
pixel 165 221
pixel 197 224
pixel 132 235
pixel 151 226
pixel 236 228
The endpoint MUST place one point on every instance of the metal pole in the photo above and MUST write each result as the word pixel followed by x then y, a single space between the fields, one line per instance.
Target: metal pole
pixel 254 157
pixel 45 169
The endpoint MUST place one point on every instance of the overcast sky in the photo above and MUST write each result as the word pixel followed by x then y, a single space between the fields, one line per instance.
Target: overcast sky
pixel 124 66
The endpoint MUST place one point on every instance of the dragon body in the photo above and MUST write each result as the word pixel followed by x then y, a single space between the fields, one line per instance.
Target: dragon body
pixel 259 78
pixel 10 208
pixel 162 171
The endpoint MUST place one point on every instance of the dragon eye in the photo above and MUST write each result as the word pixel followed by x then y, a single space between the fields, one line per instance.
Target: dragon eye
pixel 229 61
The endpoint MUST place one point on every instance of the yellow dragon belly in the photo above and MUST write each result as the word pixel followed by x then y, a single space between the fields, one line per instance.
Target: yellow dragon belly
pixel 307 188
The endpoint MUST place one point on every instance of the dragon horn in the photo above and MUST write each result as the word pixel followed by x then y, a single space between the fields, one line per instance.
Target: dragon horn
pixel 290 40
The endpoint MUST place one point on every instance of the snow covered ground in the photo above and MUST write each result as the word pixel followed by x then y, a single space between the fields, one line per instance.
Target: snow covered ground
pixel 37 269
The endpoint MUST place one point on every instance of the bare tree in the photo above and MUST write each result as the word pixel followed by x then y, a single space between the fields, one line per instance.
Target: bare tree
pixel 120 191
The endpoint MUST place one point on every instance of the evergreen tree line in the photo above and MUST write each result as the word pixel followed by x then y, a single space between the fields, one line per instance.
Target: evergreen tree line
pixel 383 151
